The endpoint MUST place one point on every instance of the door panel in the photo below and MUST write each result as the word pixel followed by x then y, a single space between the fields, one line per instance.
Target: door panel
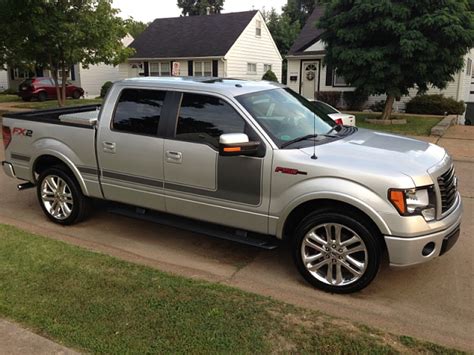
pixel 309 79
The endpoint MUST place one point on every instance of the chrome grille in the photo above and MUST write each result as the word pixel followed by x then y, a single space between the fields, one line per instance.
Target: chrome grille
pixel 447 187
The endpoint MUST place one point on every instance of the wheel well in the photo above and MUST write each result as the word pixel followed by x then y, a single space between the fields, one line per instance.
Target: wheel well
pixel 47 161
pixel 295 217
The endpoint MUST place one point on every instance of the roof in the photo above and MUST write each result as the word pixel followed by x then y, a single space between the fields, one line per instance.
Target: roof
pixel 191 36
pixel 309 34
pixel 228 87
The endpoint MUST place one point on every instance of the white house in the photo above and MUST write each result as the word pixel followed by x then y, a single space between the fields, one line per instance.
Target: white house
pixel 90 79
pixel 234 45
pixel 3 80
pixel 308 75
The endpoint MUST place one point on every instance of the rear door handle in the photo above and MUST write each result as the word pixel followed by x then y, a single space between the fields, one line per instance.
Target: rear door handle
pixel 108 147
pixel 174 157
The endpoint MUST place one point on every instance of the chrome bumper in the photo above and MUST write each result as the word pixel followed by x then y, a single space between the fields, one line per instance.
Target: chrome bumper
pixel 8 169
pixel 404 252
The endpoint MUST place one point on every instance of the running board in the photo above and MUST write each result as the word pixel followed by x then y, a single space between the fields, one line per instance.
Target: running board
pixel 249 238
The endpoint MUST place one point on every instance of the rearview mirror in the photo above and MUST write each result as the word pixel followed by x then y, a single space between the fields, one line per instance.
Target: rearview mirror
pixel 234 144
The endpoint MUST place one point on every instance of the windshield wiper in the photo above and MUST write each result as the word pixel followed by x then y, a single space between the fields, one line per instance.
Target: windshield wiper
pixel 336 128
pixel 296 140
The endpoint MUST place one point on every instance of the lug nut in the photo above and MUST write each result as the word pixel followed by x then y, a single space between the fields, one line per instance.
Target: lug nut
pixel 334 245
pixel 340 250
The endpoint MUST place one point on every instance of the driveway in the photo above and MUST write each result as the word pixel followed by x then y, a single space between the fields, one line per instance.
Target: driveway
pixel 432 301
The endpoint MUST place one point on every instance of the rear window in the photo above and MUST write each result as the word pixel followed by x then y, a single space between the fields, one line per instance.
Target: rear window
pixel 325 108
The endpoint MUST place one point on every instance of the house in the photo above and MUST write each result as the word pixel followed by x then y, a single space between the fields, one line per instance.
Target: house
pixel 90 79
pixel 236 45
pixel 308 75
pixel 3 80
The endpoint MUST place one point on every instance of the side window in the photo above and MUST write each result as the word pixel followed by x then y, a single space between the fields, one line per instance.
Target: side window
pixel 202 119
pixel 138 111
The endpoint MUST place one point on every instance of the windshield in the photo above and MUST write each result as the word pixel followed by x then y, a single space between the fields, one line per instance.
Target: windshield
pixel 285 115
pixel 324 107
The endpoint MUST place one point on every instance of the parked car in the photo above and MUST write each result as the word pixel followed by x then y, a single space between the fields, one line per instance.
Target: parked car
pixel 252 162
pixel 337 116
pixel 43 88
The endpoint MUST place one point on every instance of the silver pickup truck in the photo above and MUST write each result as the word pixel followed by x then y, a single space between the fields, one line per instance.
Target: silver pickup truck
pixel 252 162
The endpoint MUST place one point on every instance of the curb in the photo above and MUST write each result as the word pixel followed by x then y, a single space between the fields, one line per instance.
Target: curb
pixel 440 129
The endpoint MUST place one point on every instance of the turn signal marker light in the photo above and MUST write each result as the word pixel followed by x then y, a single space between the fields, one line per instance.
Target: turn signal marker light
pixel 397 198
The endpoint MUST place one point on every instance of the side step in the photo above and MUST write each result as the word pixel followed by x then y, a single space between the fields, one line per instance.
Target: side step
pixel 249 238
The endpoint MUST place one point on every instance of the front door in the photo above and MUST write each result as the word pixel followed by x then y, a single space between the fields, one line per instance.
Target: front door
pixel 309 79
pixel 201 184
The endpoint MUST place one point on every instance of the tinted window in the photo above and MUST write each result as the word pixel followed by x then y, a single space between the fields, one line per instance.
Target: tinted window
pixel 139 111
pixel 328 110
pixel 204 118
pixel 45 82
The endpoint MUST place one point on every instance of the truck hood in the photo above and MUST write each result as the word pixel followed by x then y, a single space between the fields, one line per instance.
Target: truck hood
pixel 382 153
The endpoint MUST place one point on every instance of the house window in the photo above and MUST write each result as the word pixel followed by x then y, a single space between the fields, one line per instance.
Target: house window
pixel 251 68
pixel 20 74
pixel 338 79
pixel 469 67
pixel 66 77
pixel 160 69
pixel 203 68
pixel 267 67
pixel 258 28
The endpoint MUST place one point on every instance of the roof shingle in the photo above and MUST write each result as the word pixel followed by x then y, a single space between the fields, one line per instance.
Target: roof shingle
pixel 309 33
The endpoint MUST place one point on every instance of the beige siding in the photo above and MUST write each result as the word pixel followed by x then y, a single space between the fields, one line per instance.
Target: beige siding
pixel 95 76
pixel 293 70
pixel 252 49
pixel 3 80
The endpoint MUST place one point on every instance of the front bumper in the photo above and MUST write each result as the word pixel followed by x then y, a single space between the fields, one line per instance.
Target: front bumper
pixel 8 169
pixel 408 251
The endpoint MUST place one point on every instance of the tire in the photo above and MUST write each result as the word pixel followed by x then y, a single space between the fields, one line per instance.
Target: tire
pixel 76 95
pixel 331 267
pixel 42 96
pixel 66 208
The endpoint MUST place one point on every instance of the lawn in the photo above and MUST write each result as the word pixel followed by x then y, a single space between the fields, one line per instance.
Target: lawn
pixel 54 104
pixel 416 125
pixel 99 304
pixel 9 98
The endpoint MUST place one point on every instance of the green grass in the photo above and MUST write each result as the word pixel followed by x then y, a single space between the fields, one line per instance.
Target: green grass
pixel 9 98
pixel 54 104
pixel 99 304
pixel 416 125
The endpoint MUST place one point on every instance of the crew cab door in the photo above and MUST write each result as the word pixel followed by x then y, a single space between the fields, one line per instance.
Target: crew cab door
pixel 129 150
pixel 201 184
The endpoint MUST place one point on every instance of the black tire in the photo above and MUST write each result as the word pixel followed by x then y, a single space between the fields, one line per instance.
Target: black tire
pixel 353 225
pixel 80 203
pixel 26 99
pixel 42 96
pixel 76 95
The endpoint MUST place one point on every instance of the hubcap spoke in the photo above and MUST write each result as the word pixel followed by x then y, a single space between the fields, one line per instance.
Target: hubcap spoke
pixel 57 197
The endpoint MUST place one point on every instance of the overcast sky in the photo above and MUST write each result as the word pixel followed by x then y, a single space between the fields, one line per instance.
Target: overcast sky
pixel 148 10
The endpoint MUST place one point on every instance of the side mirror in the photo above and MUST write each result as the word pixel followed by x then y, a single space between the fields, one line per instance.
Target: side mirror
pixel 234 144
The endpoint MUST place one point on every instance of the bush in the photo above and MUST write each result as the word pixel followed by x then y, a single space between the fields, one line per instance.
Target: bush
pixel 9 92
pixel 332 98
pixel 435 105
pixel 105 88
pixel 355 100
pixel 378 106
pixel 270 76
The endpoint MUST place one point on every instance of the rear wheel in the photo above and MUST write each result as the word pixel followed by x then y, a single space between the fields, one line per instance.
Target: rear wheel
pixel 336 253
pixel 60 196
pixel 42 96
pixel 76 95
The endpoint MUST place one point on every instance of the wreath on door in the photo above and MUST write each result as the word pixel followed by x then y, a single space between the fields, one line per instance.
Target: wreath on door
pixel 310 75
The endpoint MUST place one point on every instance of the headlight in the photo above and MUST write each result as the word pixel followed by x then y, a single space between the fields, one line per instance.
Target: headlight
pixel 412 202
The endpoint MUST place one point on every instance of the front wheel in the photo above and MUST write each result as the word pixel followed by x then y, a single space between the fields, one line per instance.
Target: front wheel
pixel 336 252
pixel 60 196
pixel 76 95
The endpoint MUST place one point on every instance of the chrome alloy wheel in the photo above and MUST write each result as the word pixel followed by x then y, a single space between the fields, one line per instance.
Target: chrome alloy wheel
pixel 56 196
pixel 334 254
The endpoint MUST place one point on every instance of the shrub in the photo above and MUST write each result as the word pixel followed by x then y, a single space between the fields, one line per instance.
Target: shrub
pixel 8 92
pixel 105 88
pixel 435 105
pixel 270 76
pixel 378 106
pixel 332 98
pixel 355 100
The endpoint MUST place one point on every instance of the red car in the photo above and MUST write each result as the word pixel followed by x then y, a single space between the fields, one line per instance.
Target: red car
pixel 43 88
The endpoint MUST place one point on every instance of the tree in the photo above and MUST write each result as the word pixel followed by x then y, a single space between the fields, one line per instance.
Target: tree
pixel 56 34
pixel 283 30
pixel 299 10
pixel 200 7
pixel 135 28
pixel 388 47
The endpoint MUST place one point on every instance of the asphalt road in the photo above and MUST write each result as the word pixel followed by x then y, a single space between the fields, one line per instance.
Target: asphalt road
pixel 433 301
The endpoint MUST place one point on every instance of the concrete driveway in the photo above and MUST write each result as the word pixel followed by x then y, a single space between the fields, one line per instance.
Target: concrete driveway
pixel 433 301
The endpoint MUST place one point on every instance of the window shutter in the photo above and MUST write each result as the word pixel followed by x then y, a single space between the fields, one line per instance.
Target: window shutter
pixel 329 75
pixel 190 68
pixel 12 74
pixel 215 68
pixel 73 73
pixel 146 69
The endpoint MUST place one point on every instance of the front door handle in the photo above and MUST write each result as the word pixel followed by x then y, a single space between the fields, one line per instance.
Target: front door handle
pixel 174 157
pixel 108 147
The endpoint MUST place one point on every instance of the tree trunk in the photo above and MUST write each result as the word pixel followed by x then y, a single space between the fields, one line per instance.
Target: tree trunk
pixel 63 88
pixel 54 73
pixel 387 111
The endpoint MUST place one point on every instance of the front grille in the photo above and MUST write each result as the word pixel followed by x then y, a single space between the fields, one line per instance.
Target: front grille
pixel 447 188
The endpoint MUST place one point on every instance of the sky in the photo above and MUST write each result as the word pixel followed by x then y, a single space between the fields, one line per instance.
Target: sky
pixel 148 10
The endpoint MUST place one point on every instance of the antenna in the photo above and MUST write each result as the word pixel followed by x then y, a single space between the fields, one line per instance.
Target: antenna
pixel 314 137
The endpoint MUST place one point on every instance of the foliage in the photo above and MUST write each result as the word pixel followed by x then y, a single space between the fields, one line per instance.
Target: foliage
pixel 378 106
pixel 199 7
pixel 415 126
pixel 270 76
pixel 355 100
pixel 9 91
pixel 135 28
pixel 299 10
pixel 105 88
pixel 388 47
pixel 332 98
pixel 283 30
pixel 435 105
pixel 56 34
